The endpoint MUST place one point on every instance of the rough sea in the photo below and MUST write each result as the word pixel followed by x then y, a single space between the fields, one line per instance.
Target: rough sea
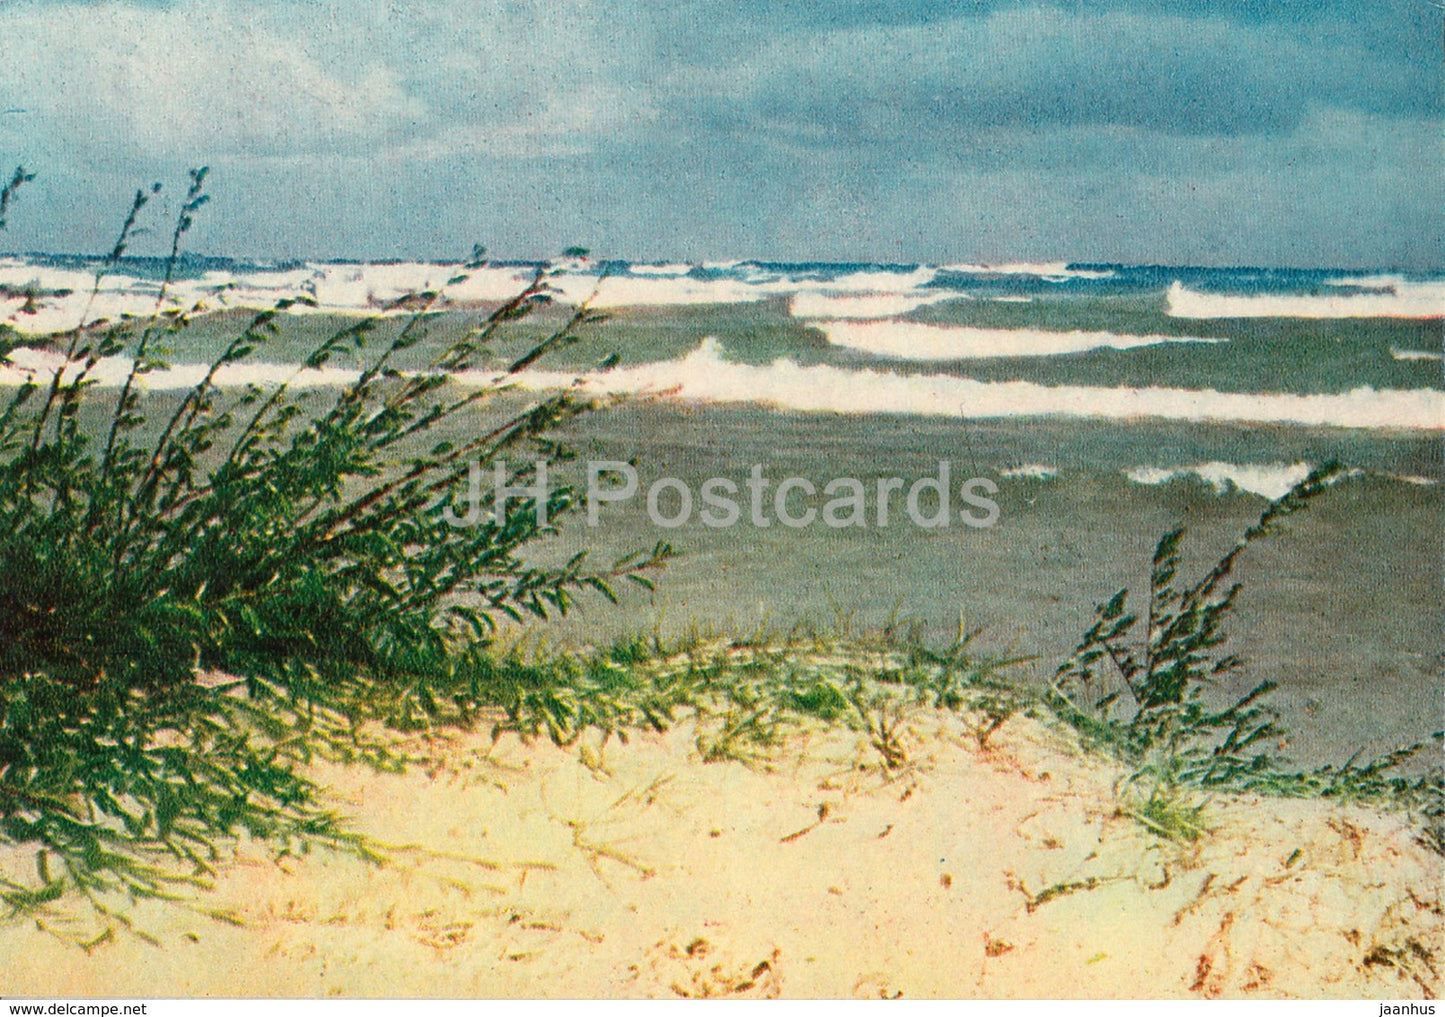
pixel 1105 404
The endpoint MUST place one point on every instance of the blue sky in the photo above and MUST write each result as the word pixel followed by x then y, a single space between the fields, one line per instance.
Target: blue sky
pixel 1231 132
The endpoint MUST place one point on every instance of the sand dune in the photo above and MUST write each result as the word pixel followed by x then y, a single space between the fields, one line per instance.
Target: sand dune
pixel 637 870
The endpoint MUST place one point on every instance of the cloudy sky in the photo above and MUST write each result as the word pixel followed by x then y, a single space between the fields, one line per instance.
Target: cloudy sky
pixel 1283 132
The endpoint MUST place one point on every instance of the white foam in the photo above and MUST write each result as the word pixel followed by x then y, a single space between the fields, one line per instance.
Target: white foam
pixel 29 365
pixel 340 288
pixel 1050 271
pixel 1414 300
pixel 62 296
pixel 673 269
pixel 652 291
pixel 890 288
pixel 902 340
pixel 1413 354
pixel 1153 475
pixel 862 306
pixel 1030 471
pixel 704 376
pixel 1370 282
pixel 882 281
pixel 18 274
pixel 369 288
pixel 337 288
pixel 1270 480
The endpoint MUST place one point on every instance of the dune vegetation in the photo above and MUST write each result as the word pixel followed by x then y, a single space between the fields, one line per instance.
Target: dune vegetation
pixel 210 610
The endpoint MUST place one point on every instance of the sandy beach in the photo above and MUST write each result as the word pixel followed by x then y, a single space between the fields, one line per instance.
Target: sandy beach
pixel 997 865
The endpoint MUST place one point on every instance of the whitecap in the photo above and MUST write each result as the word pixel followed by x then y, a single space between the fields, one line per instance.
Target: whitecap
pixel 704 376
pixel 1050 271
pixel 618 291
pixel 1030 471
pixel 1413 354
pixel 1268 480
pixel 1384 282
pixel 873 306
pixel 26 364
pixel 1424 300
pixel 903 340
pixel 66 299
pixel 660 269
pixel 876 281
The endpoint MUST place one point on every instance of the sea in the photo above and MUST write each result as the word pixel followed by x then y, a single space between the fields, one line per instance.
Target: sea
pixel 1102 405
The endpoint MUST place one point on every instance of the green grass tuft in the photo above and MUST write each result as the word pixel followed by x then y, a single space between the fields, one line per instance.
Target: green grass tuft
pixel 150 549
pixel 1142 689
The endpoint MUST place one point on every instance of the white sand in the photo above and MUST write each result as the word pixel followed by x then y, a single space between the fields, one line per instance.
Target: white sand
pixel 638 870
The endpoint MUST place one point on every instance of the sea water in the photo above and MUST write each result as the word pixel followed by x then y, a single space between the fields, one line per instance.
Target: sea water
pixel 1107 403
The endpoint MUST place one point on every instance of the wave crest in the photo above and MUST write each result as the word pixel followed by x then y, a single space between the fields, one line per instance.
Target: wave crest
pixel 1404 300
pixel 704 376
pixel 904 340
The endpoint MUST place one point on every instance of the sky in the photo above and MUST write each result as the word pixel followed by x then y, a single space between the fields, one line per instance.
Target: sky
pixel 1206 132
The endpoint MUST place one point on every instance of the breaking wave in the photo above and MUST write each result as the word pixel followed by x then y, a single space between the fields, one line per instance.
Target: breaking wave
pixel 704 376
pixel 675 269
pixel 1400 300
pixel 872 306
pixel 44 299
pixel 1271 480
pixel 1030 471
pixel 1268 480
pixel 902 340
pixel 29 365
pixel 1050 271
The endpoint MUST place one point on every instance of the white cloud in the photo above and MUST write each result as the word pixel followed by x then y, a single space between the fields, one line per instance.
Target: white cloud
pixel 209 78
pixel 203 79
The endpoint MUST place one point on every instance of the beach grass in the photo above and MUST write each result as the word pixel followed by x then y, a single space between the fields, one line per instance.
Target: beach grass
pixel 200 609
pixel 301 547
